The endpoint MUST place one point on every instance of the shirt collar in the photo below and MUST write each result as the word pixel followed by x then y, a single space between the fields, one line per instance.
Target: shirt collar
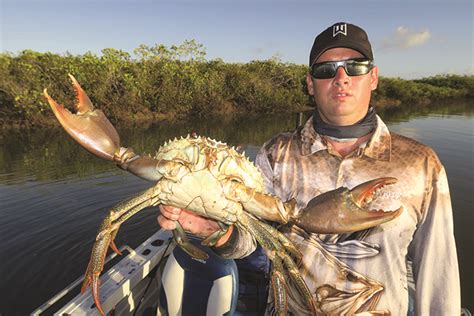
pixel 378 147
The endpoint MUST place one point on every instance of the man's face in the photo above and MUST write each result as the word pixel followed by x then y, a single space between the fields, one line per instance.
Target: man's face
pixel 342 100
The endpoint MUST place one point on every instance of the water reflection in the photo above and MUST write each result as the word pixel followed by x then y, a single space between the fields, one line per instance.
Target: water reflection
pixel 53 194
pixel 39 154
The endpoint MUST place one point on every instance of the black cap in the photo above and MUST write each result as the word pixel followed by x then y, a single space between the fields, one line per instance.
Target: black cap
pixel 341 34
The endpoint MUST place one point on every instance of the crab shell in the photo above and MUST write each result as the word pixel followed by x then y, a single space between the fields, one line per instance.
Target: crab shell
pixel 213 180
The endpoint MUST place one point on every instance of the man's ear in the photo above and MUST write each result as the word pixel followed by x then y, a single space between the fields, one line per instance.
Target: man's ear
pixel 309 83
pixel 374 78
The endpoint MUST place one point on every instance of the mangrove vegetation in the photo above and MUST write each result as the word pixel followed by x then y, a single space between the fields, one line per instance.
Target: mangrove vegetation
pixel 159 82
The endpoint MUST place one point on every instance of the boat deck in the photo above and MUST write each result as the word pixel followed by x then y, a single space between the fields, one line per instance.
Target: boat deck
pixel 134 271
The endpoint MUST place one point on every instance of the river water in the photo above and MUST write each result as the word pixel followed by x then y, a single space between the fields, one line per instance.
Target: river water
pixel 53 194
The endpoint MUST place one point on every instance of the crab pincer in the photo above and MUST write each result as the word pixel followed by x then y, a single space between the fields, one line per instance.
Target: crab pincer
pixel 343 210
pixel 89 127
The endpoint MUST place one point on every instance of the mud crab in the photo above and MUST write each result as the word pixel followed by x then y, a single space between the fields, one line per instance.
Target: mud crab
pixel 215 181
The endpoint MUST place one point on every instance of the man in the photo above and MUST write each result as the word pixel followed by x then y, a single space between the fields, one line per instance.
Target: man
pixel 344 144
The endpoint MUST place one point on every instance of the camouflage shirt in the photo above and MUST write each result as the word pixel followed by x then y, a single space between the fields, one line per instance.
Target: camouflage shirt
pixel 367 271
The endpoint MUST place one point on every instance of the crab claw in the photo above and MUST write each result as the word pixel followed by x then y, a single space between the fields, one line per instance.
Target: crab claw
pixel 343 211
pixel 89 127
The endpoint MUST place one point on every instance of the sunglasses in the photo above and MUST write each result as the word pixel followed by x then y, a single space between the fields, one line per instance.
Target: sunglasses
pixel 353 67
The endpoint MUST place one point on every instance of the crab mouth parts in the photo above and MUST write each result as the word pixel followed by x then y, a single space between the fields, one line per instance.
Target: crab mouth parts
pixel 365 193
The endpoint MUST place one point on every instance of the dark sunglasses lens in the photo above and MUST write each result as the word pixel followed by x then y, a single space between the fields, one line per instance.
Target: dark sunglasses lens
pixel 358 68
pixel 328 70
pixel 324 71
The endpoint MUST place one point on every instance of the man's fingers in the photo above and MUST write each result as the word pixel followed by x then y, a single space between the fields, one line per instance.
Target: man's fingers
pixel 170 212
pixel 191 222
pixel 166 223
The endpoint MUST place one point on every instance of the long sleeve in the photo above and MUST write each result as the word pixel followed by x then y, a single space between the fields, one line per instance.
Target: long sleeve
pixel 433 252
pixel 263 164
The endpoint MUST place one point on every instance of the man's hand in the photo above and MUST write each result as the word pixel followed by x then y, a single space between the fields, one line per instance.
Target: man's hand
pixel 193 223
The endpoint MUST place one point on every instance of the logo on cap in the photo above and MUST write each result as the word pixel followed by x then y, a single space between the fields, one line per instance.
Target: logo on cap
pixel 339 29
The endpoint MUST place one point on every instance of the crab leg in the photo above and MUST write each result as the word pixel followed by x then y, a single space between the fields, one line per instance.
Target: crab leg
pixel 287 244
pixel 107 232
pixel 277 253
pixel 260 204
pixel 179 235
pixel 277 281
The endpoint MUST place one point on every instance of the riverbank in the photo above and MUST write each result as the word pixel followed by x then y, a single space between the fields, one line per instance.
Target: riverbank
pixel 178 83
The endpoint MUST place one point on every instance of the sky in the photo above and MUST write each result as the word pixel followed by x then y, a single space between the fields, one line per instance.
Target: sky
pixel 410 38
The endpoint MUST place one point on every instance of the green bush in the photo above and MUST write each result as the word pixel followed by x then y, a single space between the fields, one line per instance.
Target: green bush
pixel 162 82
pixel 396 91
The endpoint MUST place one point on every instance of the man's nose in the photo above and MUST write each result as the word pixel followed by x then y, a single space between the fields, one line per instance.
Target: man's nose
pixel 341 77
